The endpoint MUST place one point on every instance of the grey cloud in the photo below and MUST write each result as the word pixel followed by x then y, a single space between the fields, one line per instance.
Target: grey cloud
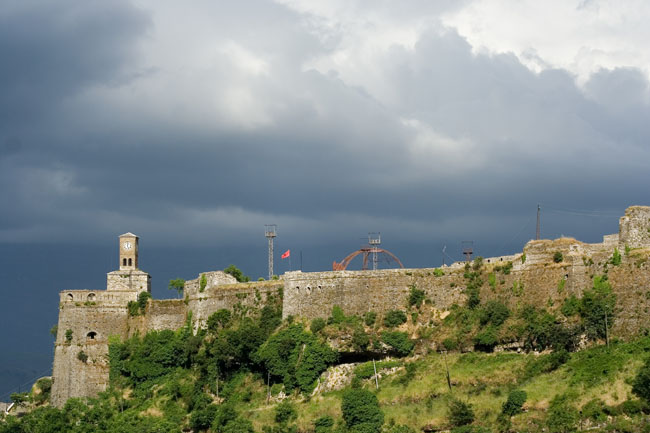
pixel 328 150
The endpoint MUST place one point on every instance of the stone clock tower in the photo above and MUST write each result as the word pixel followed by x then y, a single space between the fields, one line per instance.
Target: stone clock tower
pixel 128 251
pixel 129 277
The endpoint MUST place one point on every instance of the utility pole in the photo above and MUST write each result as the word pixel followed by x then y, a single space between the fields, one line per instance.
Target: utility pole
pixel 270 233
pixel 606 330
pixel 537 232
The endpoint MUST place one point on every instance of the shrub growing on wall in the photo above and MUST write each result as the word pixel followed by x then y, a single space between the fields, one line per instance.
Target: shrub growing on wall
pixel 398 341
pixel 394 318
pixel 369 318
pixel 416 296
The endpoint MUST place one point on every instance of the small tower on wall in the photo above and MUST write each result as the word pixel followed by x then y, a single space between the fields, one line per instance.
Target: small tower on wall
pixel 128 252
pixel 129 276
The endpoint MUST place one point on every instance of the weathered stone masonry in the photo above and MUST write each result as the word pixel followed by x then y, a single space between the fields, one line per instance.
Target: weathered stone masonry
pixel 95 316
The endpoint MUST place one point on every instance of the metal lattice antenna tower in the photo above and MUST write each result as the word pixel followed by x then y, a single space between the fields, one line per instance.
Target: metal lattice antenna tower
pixel 468 250
pixel 270 233
pixel 374 240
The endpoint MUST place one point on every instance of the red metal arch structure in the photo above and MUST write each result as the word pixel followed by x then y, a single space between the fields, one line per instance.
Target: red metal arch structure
pixel 366 251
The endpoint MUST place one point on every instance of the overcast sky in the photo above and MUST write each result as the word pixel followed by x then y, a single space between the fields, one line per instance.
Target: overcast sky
pixel 194 124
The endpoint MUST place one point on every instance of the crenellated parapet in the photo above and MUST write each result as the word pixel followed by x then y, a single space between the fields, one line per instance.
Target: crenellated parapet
pixel 544 273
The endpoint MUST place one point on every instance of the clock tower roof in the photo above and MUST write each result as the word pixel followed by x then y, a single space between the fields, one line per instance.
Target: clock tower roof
pixel 129 235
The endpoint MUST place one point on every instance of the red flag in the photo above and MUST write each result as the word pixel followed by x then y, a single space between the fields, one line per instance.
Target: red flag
pixel 286 254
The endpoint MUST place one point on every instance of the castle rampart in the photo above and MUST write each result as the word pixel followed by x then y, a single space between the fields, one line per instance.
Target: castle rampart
pixel 532 277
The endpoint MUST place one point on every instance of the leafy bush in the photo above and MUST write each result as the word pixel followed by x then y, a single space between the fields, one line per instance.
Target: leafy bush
pixel 237 273
pixel 360 340
pixel 201 419
pixel 44 386
pixel 513 404
pixel 68 335
pixel 398 341
pixel 416 296
pixel 593 410
pixel 486 339
pixel 562 416
pixel 369 318
pixel 494 312
pixel 337 317
pixel 285 412
pixel 641 385
pixel 460 413
pixel 143 298
pixel 631 407
pixel 323 424
pixel 394 318
pixel 203 282
pixel 473 289
pixel 616 258
pixel 558 257
pixel 361 411
pixel 570 306
pixel 438 272
pixel 133 308
pixel 450 344
pixel 317 325
pixel 219 319
pixel 81 356
pixel 546 363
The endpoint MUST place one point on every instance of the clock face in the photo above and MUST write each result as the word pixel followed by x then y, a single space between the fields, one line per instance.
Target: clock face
pixel 127 245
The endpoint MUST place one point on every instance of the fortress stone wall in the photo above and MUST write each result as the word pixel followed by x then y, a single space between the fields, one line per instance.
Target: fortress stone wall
pixel 95 316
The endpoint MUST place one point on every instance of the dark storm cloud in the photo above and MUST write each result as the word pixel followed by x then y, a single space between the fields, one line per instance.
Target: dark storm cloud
pixel 51 50
pixel 221 132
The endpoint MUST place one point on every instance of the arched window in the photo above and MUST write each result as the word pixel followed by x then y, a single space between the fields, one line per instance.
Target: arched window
pixel 91 335
pixel 91 297
pixel 123 262
pixel 130 263
pixel 70 297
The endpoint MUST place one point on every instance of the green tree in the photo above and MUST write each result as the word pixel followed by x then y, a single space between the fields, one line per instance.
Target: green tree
pixel 361 411
pixel 237 273
pixel 178 285
pixel 54 331
pixel 597 308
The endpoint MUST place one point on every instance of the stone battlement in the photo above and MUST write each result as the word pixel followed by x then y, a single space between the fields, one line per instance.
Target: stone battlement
pixel 89 318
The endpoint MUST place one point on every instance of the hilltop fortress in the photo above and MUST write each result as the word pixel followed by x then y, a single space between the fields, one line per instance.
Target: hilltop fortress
pixel 89 319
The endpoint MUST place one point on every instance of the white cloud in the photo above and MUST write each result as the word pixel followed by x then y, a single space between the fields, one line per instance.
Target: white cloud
pixel 579 36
